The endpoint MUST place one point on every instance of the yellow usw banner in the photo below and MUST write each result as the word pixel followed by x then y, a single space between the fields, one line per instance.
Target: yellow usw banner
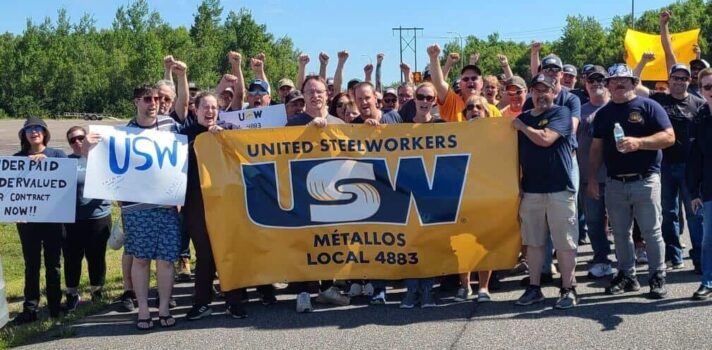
pixel 357 202
pixel 636 43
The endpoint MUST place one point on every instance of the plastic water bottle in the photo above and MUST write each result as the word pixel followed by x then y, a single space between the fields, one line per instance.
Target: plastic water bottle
pixel 618 134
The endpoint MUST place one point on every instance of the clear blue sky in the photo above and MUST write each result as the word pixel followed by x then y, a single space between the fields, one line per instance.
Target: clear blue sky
pixel 363 27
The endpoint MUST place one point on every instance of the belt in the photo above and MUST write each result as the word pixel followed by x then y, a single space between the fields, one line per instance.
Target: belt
pixel 629 177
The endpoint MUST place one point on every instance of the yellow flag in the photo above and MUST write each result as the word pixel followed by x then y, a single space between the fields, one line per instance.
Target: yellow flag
pixel 360 202
pixel 637 42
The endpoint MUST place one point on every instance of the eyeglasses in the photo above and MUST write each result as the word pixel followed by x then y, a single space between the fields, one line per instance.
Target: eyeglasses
pixel 472 107
pixel 404 96
pixel 595 80
pixel 390 100
pixel 314 92
pixel 679 78
pixel 257 93
pixel 552 69
pixel 468 79
pixel 165 99
pixel 707 87
pixel 74 139
pixel 33 128
pixel 515 92
pixel 151 99
pixel 421 97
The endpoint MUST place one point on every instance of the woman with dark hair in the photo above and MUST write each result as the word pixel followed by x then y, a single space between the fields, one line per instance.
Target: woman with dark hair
pixel 343 108
pixel 87 236
pixel 34 237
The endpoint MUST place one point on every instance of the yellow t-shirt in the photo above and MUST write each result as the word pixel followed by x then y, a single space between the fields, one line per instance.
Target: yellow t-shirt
pixel 452 106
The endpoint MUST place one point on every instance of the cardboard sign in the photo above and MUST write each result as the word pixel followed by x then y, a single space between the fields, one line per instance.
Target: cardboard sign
pixel 137 165
pixel 257 118
pixel 38 191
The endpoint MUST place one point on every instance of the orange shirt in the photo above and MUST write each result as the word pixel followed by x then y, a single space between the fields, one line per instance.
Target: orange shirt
pixel 452 106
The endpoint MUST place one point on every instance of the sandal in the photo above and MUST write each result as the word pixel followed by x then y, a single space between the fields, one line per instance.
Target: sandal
pixel 166 321
pixel 144 324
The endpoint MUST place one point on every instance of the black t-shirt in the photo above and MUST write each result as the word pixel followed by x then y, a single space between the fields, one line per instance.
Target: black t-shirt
pixel 639 117
pixel 48 152
pixel 565 99
pixel 680 113
pixel 547 169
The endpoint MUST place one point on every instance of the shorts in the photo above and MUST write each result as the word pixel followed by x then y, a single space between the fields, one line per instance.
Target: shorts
pixel 152 234
pixel 542 214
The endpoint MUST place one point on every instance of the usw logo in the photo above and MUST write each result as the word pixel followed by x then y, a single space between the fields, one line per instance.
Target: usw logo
pixel 331 191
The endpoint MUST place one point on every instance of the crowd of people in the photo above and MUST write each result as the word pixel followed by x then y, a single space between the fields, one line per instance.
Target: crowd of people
pixel 600 154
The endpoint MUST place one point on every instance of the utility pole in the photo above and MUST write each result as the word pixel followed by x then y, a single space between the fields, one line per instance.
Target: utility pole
pixel 632 14
pixel 408 41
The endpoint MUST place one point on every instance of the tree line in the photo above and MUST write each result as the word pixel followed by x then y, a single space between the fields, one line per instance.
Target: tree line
pixel 56 67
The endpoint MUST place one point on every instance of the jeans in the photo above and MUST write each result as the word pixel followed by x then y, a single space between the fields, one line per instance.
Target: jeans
pixel 673 188
pixel 86 238
pixel 706 256
pixel 639 200
pixel 595 213
pixel 35 238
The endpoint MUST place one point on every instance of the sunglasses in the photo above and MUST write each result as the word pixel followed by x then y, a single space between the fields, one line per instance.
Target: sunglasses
pixel 472 107
pixel 257 93
pixel 33 128
pixel 678 78
pixel 515 92
pixel 421 97
pixel 165 99
pixel 707 87
pixel 469 79
pixel 150 99
pixel 74 139
pixel 552 69
pixel 595 80
pixel 390 100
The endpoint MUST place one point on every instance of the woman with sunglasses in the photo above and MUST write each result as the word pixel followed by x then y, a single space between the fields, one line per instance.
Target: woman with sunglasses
pixel 343 108
pixel 476 107
pixel 87 236
pixel 34 237
pixel 421 288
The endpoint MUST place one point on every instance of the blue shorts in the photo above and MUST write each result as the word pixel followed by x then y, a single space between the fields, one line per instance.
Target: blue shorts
pixel 152 234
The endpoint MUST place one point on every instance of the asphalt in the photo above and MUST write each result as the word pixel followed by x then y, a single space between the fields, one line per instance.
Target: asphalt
pixel 600 321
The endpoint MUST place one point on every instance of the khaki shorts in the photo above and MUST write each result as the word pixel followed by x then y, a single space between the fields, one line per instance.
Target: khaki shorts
pixel 544 213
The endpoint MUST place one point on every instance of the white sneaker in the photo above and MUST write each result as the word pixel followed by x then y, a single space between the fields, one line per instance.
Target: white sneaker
pixel 483 296
pixel 355 290
pixel 642 255
pixel 304 303
pixel 600 270
pixel 463 294
pixel 333 296
pixel 368 289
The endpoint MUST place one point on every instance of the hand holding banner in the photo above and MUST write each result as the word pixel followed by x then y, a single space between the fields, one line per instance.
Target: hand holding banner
pixel 137 165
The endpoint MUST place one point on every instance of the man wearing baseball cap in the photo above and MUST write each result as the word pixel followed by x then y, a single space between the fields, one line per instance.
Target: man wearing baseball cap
pixel 516 90
pixel 258 94
pixel 582 93
pixel 633 176
pixel 284 86
pixel 294 103
pixel 449 103
pixel 570 75
pixel 548 204
pixel 390 100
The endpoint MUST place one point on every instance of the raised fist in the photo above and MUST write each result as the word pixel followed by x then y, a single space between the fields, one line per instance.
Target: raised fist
pixel 343 55
pixel 303 59
pixel 260 56
pixel 433 50
pixel 379 57
pixel 168 61
pixel 368 69
pixel 536 46
pixel 648 56
pixel 323 58
pixel 256 63
pixel 665 17
pixel 234 57
pixel 179 67
pixel 502 59
pixel 405 68
pixel 696 49
pixel 474 57
pixel 453 57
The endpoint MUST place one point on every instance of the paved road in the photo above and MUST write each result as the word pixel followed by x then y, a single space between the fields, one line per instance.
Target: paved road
pixel 601 321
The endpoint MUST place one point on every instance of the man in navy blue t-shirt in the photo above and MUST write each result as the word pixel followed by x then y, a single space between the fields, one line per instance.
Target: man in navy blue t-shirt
pixel 633 176
pixel 548 191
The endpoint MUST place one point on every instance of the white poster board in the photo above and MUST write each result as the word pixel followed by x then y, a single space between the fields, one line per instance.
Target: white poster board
pixel 38 191
pixel 257 118
pixel 137 165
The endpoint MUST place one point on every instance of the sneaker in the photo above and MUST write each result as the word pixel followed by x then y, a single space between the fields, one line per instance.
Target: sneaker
pixel 600 270
pixel 72 302
pixel 379 298
pixel 483 296
pixel 368 289
pixel 183 274
pixel 657 286
pixel 702 293
pixel 236 311
pixel 622 283
pixel 521 268
pixel 568 298
pixel 463 294
pixel 531 296
pixel 97 296
pixel 269 299
pixel 198 311
pixel 126 301
pixel 410 299
pixel 427 298
pixel 641 255
pixel 333 296
pixel 355 290
pixel 26 316
pixel 678 266
pixel 304 303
